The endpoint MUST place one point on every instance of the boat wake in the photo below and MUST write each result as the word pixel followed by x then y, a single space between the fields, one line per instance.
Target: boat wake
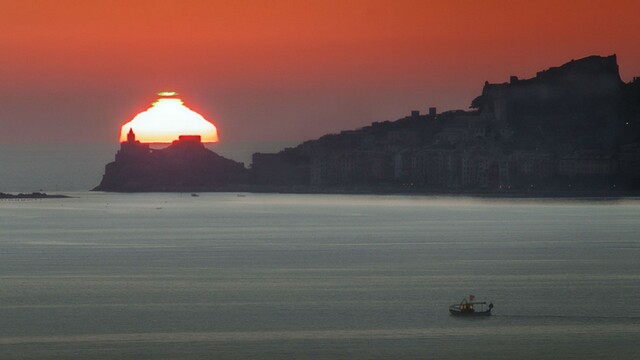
pixel 549 316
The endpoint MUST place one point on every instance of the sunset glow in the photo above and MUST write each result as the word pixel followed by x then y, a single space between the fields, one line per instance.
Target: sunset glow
pixel 166 120
pixel 284 70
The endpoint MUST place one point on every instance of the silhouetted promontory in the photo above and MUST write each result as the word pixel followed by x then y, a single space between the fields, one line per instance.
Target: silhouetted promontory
pixel 572 128
pixel 186 165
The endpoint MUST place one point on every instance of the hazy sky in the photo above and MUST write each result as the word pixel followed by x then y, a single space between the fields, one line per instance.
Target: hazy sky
pixel 75 71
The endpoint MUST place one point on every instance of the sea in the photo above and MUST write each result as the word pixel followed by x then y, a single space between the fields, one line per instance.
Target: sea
pixel 79 166
pixel 289 276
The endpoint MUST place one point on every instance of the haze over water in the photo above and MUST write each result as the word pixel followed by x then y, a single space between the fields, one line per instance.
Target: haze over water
pixel 79 167
pixel 237 276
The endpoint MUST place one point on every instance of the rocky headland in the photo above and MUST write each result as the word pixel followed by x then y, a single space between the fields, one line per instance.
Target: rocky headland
pixel 186 165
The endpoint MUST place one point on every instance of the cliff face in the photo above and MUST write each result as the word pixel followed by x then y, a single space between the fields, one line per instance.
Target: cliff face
pixel 186 165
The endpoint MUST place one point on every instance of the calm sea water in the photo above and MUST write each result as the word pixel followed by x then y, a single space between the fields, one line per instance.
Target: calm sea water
pixel 249 276
pixel 79 167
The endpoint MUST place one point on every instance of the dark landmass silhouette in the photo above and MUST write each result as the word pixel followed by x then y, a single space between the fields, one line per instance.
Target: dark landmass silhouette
pixel 571 129
pixel 33 195
pixel 186 165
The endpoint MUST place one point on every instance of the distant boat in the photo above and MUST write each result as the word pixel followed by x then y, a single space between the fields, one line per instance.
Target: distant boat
pixel 469 307
pixel 194 195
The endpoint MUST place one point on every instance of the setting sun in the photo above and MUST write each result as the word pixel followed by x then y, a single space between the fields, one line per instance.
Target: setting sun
pixel 166 120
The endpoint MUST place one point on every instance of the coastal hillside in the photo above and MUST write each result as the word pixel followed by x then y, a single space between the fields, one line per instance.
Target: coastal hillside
pixel 575 127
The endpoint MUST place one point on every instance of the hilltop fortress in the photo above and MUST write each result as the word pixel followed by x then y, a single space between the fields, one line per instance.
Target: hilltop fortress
pixel 572 127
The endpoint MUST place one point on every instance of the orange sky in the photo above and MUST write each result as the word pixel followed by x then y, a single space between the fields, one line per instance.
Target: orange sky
pixel 281 70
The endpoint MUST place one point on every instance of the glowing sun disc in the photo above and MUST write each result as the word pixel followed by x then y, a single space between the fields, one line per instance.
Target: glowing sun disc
pixel 166 120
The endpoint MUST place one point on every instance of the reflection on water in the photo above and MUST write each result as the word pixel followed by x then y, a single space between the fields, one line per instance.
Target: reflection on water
pixel 269 276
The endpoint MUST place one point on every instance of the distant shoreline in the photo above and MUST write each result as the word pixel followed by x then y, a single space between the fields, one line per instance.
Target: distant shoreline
pixel 33 195
pixel 302 190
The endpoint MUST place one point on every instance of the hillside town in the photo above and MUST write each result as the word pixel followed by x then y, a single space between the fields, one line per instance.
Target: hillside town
pixel 575 127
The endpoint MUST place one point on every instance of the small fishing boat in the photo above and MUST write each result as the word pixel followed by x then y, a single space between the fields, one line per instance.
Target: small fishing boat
pixel 470 307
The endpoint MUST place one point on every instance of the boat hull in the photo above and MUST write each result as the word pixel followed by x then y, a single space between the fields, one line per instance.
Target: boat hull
pixel 455 312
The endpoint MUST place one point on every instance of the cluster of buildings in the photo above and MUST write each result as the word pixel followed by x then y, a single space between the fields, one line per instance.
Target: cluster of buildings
pixel 573 126
pixel 451 159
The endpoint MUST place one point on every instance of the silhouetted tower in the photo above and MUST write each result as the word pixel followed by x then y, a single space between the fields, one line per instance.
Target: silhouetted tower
pixel 132 149
pixel 131 136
